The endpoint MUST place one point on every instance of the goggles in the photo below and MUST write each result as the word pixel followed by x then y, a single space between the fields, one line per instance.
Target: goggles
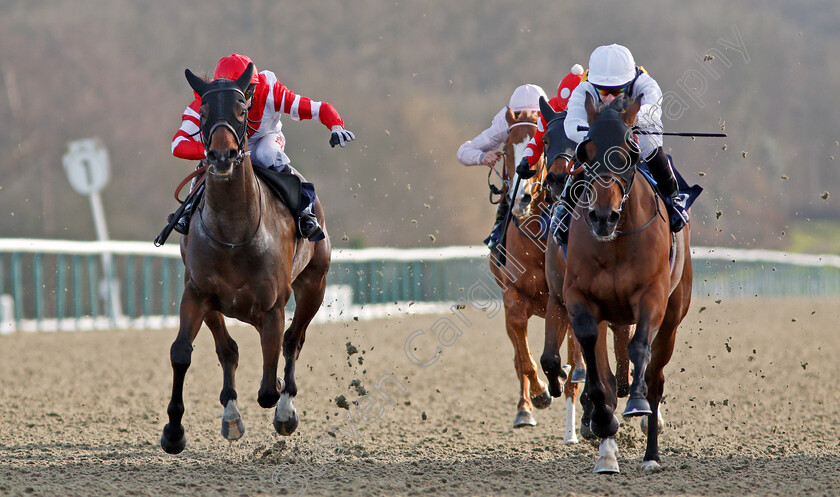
pixel 610 90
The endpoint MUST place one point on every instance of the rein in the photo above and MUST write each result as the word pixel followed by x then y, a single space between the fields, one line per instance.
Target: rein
pixel 199 170
pixel 238 244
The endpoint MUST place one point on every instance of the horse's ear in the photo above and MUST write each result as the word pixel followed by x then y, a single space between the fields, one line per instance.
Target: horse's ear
pixel 581 157
pixel 509 117
pixel 591 111
pixel 630 113
pixel 546 110
pixel 245 79
pixel 197 84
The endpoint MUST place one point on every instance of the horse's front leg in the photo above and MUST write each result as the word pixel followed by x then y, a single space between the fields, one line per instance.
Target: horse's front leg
pixel 603 422
pixel 530 386
pixel 556 325
pixel 271 336
pixel 232 426
pixel 651 313
pixel 173 439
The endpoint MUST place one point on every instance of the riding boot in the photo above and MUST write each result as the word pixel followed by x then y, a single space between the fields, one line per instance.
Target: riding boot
pixel 308 226
pixel 493 240
pixel 182 226
pixel 563 213
pixel 663 174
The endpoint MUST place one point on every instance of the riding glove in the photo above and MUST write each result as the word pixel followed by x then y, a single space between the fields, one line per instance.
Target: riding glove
pixel 340 136
pixel 524 169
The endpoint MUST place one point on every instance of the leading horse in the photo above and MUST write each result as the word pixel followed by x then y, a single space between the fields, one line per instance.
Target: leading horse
pixel 242 260
pixel 624 266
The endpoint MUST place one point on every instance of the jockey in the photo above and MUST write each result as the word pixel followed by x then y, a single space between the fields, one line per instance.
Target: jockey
pixel 268 99
pixel 481 150
pixel 612 73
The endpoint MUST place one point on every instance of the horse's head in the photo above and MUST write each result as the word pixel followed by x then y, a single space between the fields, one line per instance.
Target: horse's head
pixel 609 155
pixel 522 126
pixel 558 149
pixel 224 120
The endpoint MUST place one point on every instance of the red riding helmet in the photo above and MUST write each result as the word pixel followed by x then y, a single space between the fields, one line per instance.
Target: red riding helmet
pixel 232 66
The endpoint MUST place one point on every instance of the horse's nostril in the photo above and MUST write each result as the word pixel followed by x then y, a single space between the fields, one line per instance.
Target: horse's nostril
pixel 213 155
pixel 613 218
pixel 593 216
pixel 231 153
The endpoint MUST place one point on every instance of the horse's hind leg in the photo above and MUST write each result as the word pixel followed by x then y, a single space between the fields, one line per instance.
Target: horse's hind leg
pixel 309 288
pixel 598 388
pixel 621 338
pixel 232 426
pixel 173 439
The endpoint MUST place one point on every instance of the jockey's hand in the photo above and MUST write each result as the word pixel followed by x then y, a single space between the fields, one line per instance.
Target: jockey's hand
pixel 340 136
pixel 490 158
pixel 524 169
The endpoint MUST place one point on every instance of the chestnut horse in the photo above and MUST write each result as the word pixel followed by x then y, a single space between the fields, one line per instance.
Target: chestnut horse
pixel 621 269
pixel 522 275
pixel 558 152
pixel 243 260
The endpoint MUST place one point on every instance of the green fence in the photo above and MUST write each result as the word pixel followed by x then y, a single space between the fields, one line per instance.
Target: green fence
pixel 49 285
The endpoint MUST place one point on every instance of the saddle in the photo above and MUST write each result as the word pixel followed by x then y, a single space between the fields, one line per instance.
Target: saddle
pixel 286 187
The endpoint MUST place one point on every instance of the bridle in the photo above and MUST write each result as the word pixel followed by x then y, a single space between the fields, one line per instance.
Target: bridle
pixel 225 112
pixel 495 190
pixel 625 187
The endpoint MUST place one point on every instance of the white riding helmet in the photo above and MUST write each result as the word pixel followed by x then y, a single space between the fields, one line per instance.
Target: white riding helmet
pixel 611 66
pixel 526 97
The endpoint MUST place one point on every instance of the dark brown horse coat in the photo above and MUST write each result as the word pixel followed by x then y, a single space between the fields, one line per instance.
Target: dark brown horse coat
pixel 242 260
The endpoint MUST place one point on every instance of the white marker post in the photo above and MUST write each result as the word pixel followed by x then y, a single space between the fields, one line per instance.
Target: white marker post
pixel 88 169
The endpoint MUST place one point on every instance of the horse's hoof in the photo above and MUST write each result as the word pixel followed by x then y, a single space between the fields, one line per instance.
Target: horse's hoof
pixel 606 465
pixel 570 439
pixel 168 445
pixel 604 431
pixel 651 467
pixel 607 462
pixel 232 426
pixel 286 418
pixel 643 424
pixel 524 418
pixel 579 375
pixel 565 370
pixel 542 401
pixel 636 406
pixel 287 427
pixel 586 432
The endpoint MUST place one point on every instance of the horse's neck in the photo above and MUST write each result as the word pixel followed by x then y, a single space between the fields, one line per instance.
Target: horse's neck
pixel 236 199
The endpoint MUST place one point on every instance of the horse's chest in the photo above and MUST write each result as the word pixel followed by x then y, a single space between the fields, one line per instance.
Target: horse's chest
pixel 238 291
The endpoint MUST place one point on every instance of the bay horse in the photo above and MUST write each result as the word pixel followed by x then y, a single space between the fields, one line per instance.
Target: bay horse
pixel 521 276
pixel 558 153
pixel 621 268
pixel 242 260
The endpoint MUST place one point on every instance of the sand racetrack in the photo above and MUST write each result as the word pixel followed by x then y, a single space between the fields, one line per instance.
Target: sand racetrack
pixel 751 409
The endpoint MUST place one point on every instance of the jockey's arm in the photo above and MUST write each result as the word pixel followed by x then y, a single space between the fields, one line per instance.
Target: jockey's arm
pixel 300 107
pixel 186 144
pixel 480 150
